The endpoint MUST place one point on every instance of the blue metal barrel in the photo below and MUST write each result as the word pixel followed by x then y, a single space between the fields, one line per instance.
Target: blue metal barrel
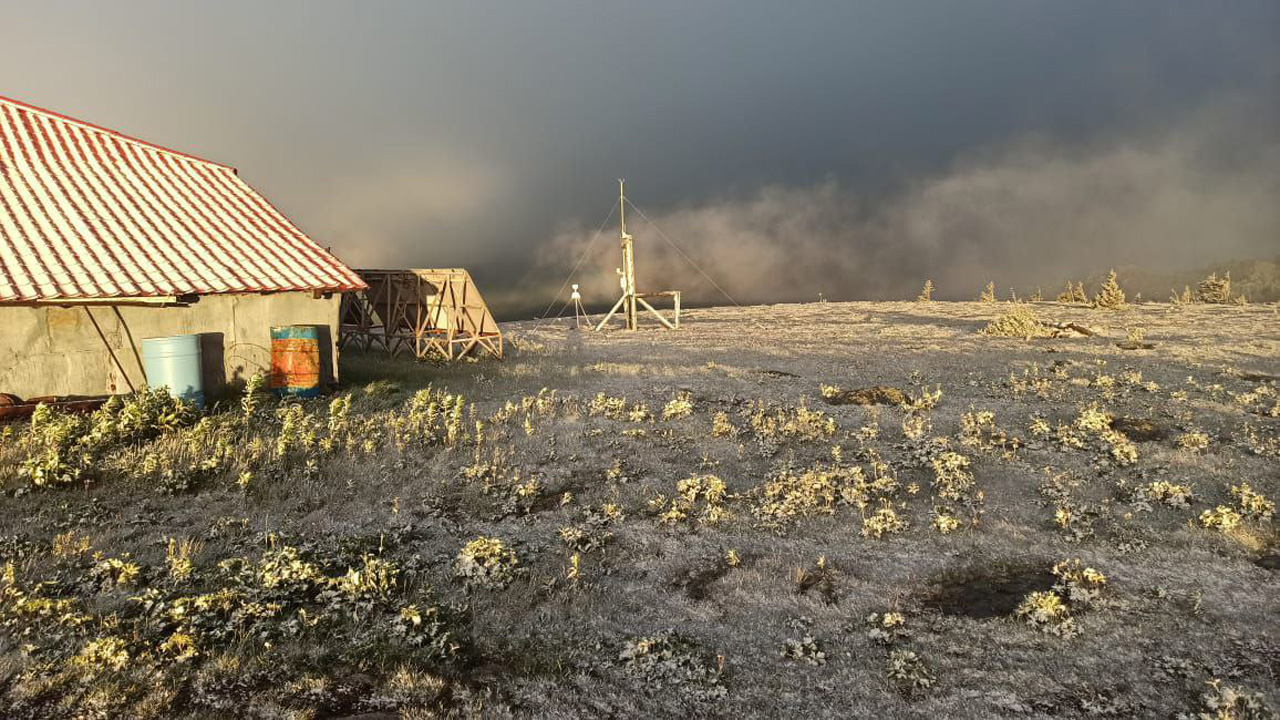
pixel 174 362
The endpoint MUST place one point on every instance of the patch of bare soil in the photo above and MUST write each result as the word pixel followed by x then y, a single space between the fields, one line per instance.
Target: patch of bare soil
pixel 1259 377
pixel 696 578
pixel 1140 429
pixel 987 592
pixel 777 374
pixel 875 395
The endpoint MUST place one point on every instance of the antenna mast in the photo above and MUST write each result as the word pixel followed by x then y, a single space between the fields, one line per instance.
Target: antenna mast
pixel 631 299
pixel 628 280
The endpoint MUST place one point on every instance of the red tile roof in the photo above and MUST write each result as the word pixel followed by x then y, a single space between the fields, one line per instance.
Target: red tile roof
pixel 86 212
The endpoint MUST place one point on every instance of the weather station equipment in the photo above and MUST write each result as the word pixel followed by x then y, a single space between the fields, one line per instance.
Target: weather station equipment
pixel 631 300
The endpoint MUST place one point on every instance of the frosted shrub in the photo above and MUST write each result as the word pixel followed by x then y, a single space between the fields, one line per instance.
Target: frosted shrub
pixel 486 562
pixel 951 476
pixel 1020 322
pixel 884 521
pixel 699 499
pixel 1165 493
pixel 814 491
pixel 805 650
pixel 1253 505
pixel 722 427
pixel 1194 440
pixel 1224 702
pixel 1050 610
pixel 945 522
pixel 908 671
pixel 1221 518
pixel 679 407
pixel 63 447
pixel 670 661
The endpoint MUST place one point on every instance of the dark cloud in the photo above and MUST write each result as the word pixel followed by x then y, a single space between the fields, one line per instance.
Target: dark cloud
pixel 859 145
pixel 1028 213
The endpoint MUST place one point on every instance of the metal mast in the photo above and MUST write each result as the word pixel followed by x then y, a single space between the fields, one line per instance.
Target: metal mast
pixel 631 300
pixel 628 280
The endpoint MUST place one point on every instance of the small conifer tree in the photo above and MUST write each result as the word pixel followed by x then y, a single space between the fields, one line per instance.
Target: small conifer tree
pixel 1214 289
pixel 926 293
pixel 1110 296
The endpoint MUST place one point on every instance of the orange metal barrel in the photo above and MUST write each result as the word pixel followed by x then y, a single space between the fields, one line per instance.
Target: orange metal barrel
pixel 295 361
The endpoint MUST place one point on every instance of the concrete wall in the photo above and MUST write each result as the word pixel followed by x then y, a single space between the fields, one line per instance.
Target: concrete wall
pixel 58 351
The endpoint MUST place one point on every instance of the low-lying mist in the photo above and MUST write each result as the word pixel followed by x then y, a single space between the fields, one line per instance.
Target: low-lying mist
pixel 1029 213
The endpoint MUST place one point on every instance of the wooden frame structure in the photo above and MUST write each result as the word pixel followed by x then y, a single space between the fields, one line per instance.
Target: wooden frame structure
pixel 428 312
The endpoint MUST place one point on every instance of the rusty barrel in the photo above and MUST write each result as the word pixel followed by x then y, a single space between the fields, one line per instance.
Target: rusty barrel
pixel 295 361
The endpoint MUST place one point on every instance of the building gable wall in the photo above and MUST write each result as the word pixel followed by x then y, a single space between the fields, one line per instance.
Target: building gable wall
pixel 59 351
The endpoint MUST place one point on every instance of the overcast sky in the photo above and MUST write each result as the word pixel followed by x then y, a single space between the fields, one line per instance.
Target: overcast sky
pixel 489 135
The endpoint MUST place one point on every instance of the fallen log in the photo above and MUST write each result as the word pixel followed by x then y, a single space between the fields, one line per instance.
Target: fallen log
pixel 1067 329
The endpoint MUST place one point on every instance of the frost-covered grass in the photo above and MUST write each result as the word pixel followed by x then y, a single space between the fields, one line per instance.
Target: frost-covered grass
pixel 673 525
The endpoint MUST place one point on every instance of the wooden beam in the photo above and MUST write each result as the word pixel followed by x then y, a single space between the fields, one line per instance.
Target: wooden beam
pixel 656 314
pixel 611 312
pixel 158 301
pixel 110 350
